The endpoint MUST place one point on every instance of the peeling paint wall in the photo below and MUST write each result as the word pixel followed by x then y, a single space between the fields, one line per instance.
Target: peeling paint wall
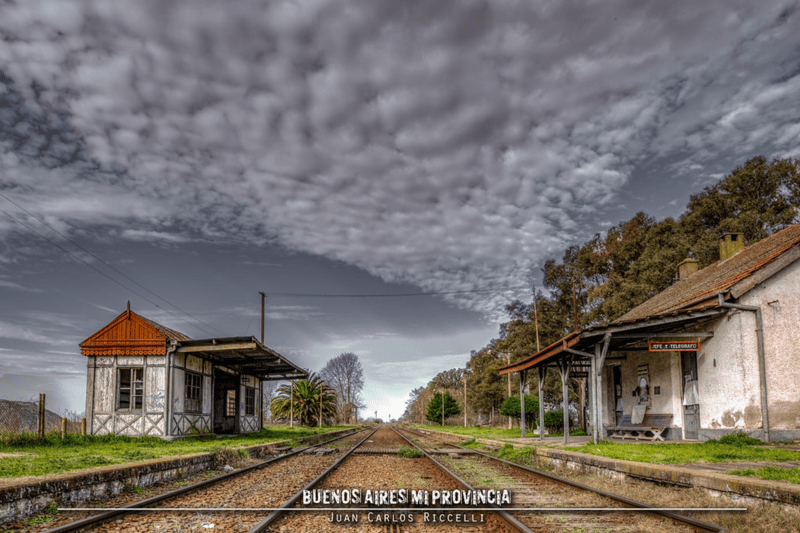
pixel 102 395
pixel 182 421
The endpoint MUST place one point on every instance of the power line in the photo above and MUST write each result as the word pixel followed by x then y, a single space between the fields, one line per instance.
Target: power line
pixel 308 295
pixel 106 264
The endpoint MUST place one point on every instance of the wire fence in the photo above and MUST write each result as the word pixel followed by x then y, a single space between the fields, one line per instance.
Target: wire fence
pixel 23 417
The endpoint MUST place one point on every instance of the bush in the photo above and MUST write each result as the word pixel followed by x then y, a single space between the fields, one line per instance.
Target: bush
pixel 554 421
pixel 511 407
pixel 738 439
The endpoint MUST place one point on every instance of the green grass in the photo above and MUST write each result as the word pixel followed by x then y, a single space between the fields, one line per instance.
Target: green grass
pixel 408 451
pixel 711 451
pixel 477 432
pixel 53 455
pixel 773 473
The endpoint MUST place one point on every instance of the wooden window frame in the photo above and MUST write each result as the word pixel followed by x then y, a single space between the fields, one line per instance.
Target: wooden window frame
pixel 250 401
pixel 193 392
pixel 230 402
pixel 131 389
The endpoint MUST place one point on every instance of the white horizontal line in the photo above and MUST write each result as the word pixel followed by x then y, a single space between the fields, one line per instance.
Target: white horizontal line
pixel 406 509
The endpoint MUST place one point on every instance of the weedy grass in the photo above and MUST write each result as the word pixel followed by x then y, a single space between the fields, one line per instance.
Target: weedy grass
pixel 772 473
pixel 712 451
pixel 477 432
pixel 52 454
pixel 409 452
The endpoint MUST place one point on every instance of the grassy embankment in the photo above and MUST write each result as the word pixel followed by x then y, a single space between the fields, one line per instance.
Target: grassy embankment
pixel 730 449
pixel 492 433
pixel 23 454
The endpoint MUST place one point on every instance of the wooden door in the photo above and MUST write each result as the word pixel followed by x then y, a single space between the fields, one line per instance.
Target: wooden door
pixel 691 402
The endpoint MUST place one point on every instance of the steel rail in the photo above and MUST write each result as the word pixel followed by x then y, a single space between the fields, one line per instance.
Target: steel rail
pixel 513 522
pixel 633 503
pixel 102 517
pixel 264 524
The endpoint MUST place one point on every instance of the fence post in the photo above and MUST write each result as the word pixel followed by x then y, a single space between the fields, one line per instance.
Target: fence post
pixel 83 426
pixel 41 416
pixel 64 427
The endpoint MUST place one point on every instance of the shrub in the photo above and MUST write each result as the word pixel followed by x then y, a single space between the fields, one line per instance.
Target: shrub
pixel 511 407
pixel 739 439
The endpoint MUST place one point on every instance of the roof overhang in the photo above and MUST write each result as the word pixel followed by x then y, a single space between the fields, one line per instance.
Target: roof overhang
pixel 621 336
pixel 245 355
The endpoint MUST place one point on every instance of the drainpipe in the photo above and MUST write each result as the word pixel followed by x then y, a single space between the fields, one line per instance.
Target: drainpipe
pixel 168 389
pixel 762 364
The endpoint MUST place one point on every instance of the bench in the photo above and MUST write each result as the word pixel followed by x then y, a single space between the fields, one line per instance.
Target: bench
pixel 651 428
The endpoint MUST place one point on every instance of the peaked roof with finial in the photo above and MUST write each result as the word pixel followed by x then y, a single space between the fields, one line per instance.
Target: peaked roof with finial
pixel 131 334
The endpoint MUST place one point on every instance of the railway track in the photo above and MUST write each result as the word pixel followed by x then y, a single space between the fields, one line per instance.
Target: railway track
pixel 269 496
pixel 265 484
pixel 533 488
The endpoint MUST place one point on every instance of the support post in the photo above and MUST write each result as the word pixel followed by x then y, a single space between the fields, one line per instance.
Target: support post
pixel 522 401
pixel 596 424
pixel 542 371
pixel 291 404
pixel 564 366
pixel 63 427
pixel 41 416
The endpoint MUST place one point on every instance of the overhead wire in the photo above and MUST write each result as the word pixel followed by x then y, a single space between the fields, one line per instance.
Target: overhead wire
pixel 390 295
pixel 106 264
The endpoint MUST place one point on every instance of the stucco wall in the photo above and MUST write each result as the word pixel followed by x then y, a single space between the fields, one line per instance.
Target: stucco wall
pixel 779 299
pixel 660 372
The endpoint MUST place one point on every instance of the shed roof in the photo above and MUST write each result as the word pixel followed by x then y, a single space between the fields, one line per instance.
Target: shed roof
pixel 133 334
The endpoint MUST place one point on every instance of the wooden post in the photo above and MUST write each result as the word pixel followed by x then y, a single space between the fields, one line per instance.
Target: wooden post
pixel 41 416
pixel 291 404
pixel 63 427
pixel 83 426
pixel 465 401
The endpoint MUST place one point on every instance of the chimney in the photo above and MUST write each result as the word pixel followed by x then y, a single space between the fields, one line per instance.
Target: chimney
pixel 686 268
pixel 730 244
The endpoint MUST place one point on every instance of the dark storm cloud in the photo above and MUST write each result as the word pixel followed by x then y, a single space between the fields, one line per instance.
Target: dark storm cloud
pixel 451 144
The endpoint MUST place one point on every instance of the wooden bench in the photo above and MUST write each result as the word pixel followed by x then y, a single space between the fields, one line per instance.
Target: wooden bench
pixel 650 429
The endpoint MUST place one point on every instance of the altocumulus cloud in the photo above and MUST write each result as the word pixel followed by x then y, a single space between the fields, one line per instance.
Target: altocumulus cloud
pixel 451 144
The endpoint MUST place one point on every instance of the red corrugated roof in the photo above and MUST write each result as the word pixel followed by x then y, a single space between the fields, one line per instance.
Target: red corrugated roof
pixel 542 355
pixel 718 277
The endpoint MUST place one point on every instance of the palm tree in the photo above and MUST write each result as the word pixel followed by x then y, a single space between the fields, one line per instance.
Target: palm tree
pixel 307 394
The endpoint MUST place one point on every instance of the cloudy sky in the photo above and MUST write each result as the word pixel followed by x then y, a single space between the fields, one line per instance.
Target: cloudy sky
pixel 185 155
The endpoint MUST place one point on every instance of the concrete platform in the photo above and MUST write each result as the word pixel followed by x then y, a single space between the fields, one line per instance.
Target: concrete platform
pixel 708 476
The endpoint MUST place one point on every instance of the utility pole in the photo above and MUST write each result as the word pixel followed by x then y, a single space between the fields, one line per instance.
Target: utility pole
pixel 465 401
pixel 262 315
pixel 508 361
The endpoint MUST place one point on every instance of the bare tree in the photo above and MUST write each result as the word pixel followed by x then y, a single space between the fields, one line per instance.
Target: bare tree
pixel 268 392
pixel 344 375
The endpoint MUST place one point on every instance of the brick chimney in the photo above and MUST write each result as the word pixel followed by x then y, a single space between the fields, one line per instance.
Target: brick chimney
pixel 686 268
pixel 730 244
